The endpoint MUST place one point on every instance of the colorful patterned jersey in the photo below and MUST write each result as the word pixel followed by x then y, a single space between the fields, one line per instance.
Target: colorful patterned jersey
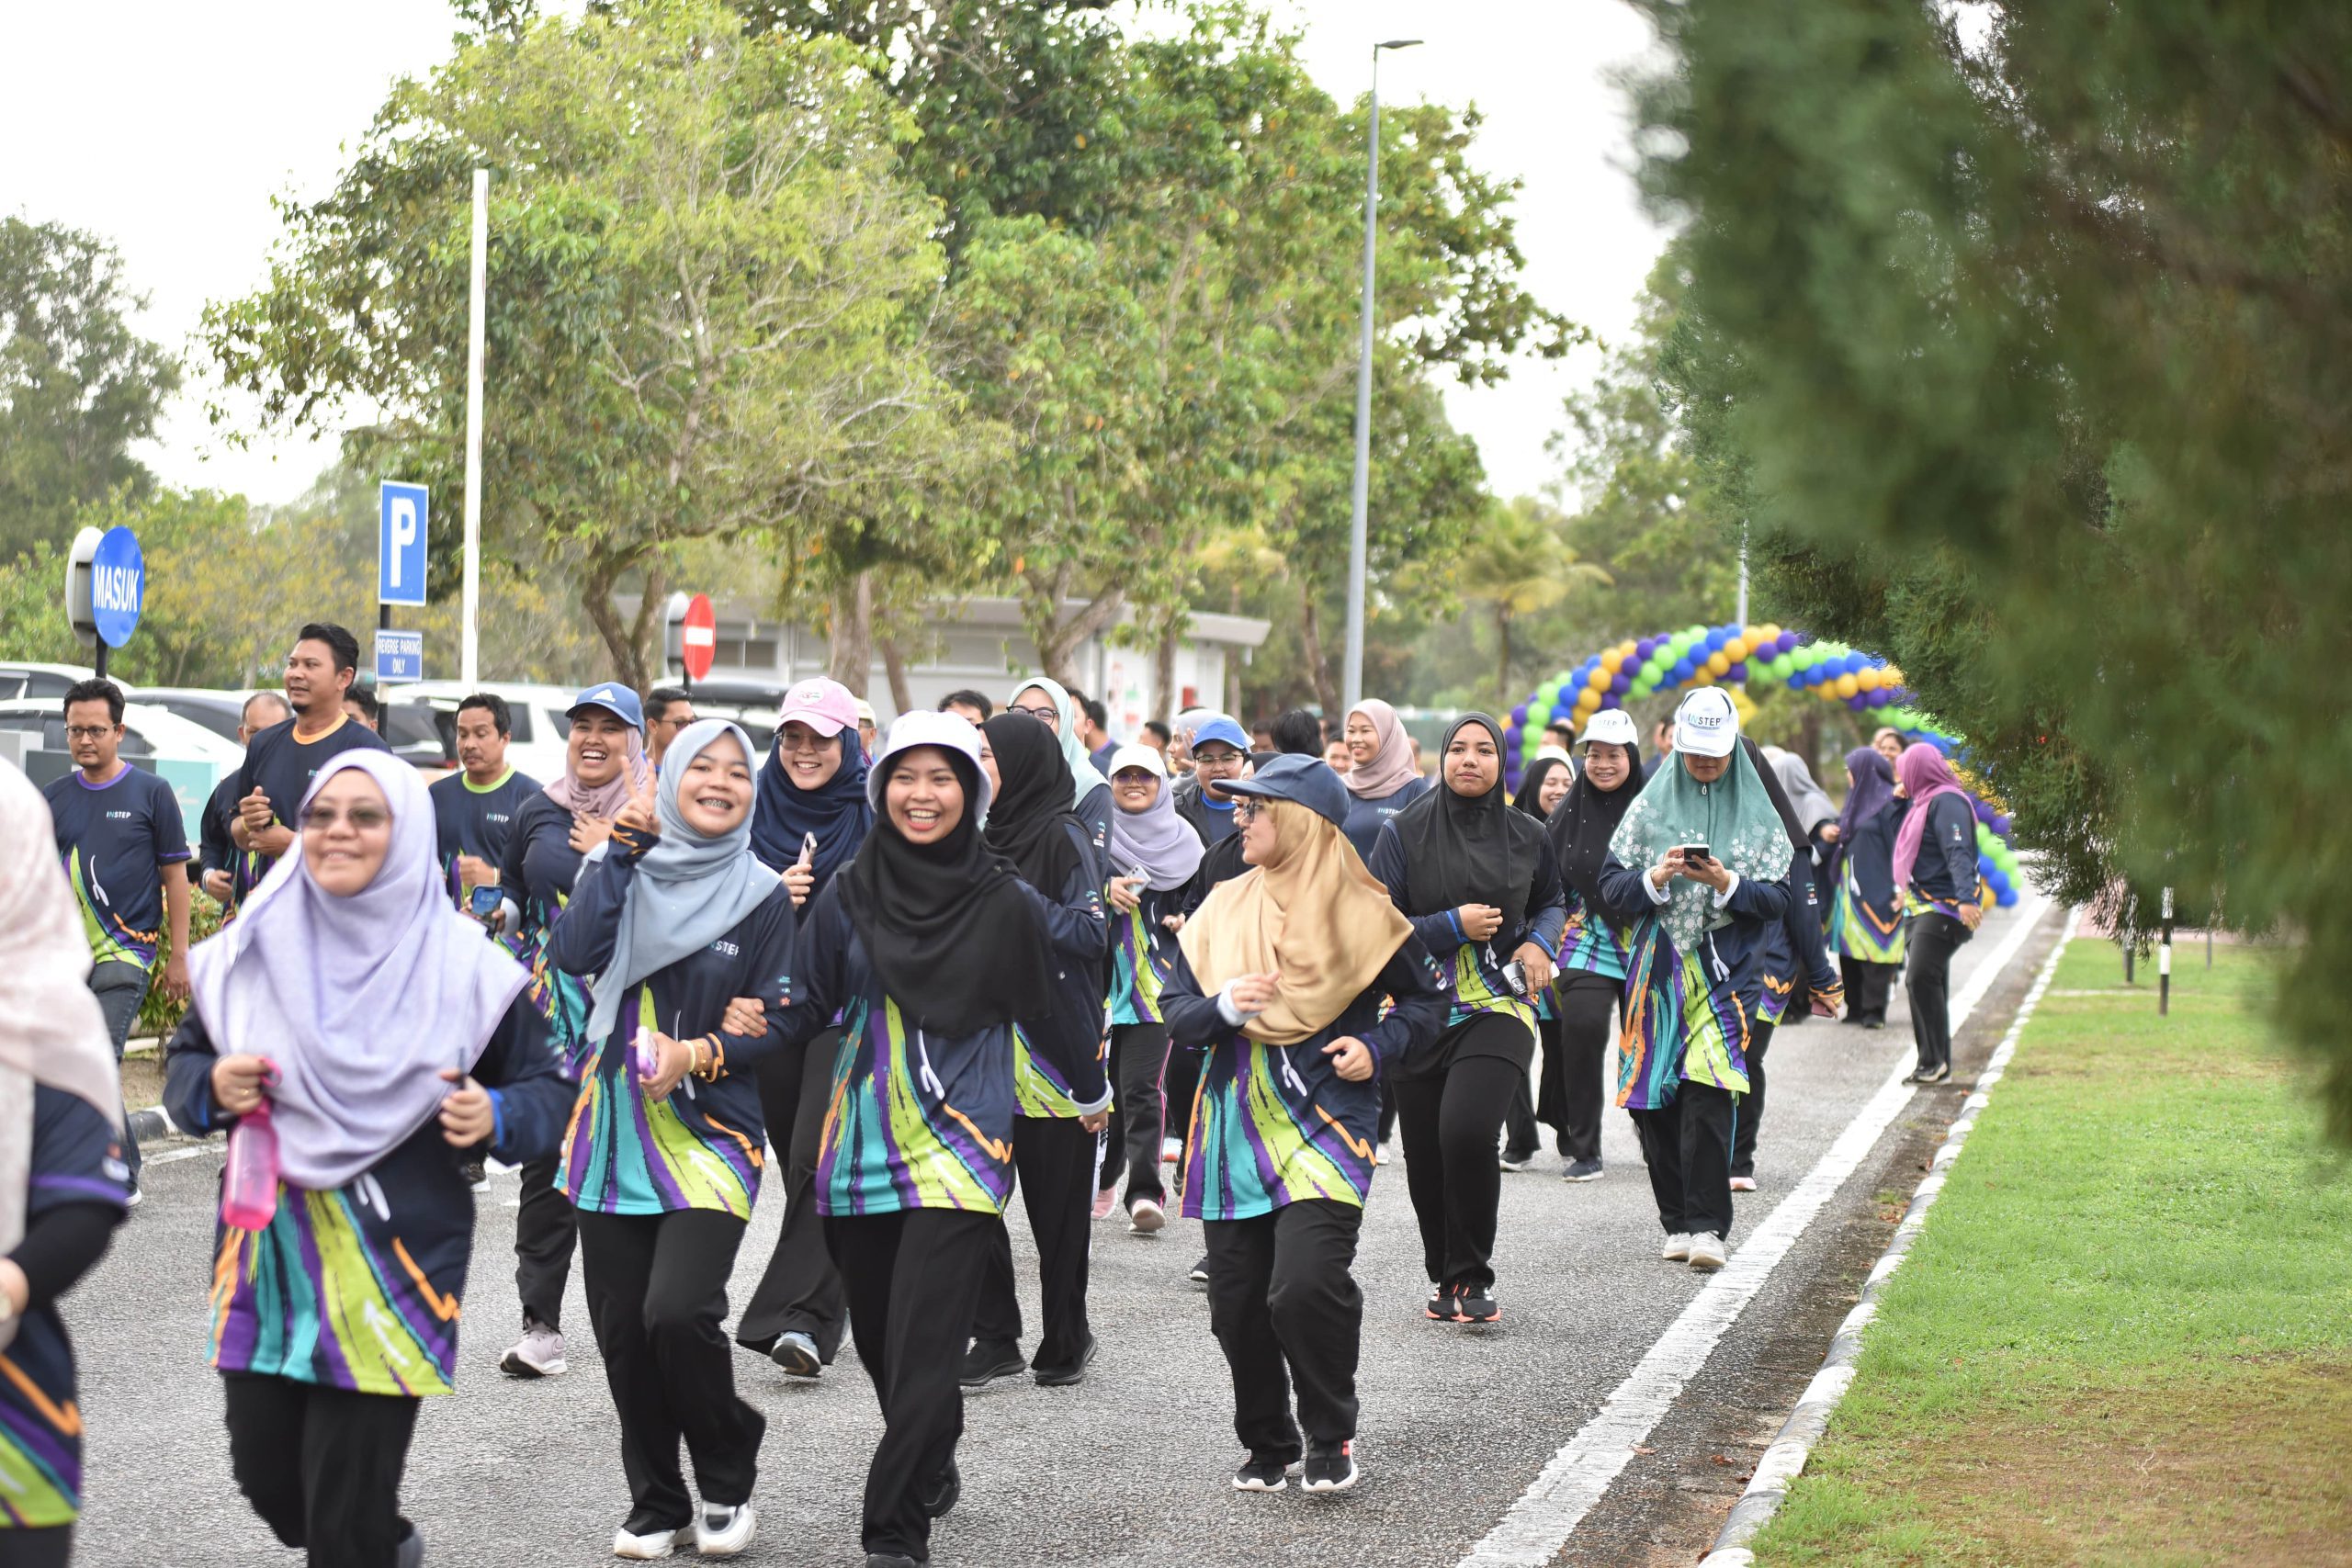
pixel 75 1160
pixel 536 873
pixel 702 1145
pixel 113 837
pixel 358 1288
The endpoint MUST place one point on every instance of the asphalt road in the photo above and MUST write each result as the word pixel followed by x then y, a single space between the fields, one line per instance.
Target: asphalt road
pixel 1129 1468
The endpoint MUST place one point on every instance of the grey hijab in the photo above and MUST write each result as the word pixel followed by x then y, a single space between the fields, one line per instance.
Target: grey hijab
pixel 1811 803
pixel 689 890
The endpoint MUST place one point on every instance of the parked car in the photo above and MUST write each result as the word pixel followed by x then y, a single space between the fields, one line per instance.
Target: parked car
pixel 220 712
pixel 194 759
pixel 34 679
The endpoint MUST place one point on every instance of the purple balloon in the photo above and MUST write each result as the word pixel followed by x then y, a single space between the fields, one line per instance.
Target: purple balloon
pixel 1621 684
pixel 1644 648
pixel 2001 824
pixel 1737 673
pixel 1519 714
pixel 1513 736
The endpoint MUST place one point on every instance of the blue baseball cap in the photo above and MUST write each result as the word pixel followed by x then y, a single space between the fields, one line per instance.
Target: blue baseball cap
pixel 1217 727
pixel 614 698
pixel 1305 780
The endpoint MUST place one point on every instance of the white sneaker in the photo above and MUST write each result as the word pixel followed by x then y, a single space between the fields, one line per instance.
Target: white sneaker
pixel 1743 1184
pixel 1170 1149
pixel 1105 1199
pixel 1676 1248
pixel 538 1354
pixel 1706 1252
pixel 1144 1217
pixel 653 1546
pixel 1380 1155
pixel 723 1533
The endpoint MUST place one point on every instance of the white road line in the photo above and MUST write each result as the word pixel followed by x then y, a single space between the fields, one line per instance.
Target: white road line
pixel 1534 1528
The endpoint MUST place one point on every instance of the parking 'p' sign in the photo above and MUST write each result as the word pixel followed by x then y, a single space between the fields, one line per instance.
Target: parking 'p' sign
pixel 399 544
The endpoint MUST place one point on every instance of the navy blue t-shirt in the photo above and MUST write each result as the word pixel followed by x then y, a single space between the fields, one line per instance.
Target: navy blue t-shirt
pixel 476 821
pixel 113 838
pixel 282 767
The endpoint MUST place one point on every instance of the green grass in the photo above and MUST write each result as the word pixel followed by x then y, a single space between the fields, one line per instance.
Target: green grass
pixel 2126 1334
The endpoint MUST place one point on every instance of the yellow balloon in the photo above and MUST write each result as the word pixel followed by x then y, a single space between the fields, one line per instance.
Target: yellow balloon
pixel 1702 677
pixel 1868 680
pixel 1587 700
pixel 1890 677
pixel 1611 660
pixel 1626 650
pixel 1598 679
pixel 1735 649
pixel 1717 663
pixel 1847 685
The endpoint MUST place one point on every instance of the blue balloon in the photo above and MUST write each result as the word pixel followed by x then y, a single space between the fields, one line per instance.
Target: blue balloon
pixel 1681 674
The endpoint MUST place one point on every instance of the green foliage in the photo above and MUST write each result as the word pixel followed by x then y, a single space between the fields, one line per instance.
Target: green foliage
pixel 158 1014
pixel 77 385
pixel 2033 349
pixel 703 269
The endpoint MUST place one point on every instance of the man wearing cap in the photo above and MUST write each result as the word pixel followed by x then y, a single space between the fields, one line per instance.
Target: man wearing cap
pixel 552 833
pixel 1219 748
pixel 1281 1159
pixel 869 729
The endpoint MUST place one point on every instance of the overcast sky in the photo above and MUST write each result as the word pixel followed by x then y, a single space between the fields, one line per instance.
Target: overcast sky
pixel 172 134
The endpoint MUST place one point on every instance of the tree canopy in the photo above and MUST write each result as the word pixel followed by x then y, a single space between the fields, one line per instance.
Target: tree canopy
pixel 2022 334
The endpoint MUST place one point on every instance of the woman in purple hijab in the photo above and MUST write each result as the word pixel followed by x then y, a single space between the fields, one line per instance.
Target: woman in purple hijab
pixel 388 1041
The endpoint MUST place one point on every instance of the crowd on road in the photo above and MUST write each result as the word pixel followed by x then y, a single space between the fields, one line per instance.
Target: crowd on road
pixel 891 977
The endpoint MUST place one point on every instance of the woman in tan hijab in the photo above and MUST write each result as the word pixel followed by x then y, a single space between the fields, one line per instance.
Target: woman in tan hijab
pixel 1279 983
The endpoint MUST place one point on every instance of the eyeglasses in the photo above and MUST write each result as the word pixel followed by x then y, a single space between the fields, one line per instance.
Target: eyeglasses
pixel 807 742
pixel 1043 716
pixel 88 731
pixel 1245 811
pixel 362 818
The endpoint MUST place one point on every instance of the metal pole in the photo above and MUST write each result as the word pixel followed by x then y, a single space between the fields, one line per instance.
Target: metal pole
pixel 469 649
pixel 1351 674
pixel 1742 616
pixel 2163 962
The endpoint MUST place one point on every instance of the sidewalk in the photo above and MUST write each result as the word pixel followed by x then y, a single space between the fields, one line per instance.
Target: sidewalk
pixel 2126 1334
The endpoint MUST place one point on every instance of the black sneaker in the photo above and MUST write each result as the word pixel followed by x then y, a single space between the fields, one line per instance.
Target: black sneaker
pixel 889 1559
pixel 1331 1467
pixel 1478 1305
pixel 936 1499
pixel 1940 1073
pixel 476 1173
pixel 1262 1475
pixel 1201 1270
pixel 1062 1377
pixel 1582 1170
pixel 1918 1075
pixel 409 1554
pixel 1443 1306
pixel 987 1360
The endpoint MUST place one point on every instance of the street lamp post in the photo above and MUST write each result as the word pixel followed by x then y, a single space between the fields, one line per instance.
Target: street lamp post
pixel 1353 675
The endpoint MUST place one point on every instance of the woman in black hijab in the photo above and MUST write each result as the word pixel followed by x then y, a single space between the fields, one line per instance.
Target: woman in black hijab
pixel 1061 1082
pixel 1478 882
pixel 1593 943
pixel 927 947
pixel 1541 789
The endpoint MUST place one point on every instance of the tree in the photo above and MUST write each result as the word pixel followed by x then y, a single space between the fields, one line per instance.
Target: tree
pixel 2028 354
pixel 1516 563
pixel 77 385
pixel 704 267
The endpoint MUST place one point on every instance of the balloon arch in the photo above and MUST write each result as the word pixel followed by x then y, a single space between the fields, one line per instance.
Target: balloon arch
pixel 1752 656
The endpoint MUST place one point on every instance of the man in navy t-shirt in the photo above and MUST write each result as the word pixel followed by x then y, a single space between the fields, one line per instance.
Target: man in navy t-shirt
pixel 282 759
pixel 475 808
pixel 217 854
pixel 125 849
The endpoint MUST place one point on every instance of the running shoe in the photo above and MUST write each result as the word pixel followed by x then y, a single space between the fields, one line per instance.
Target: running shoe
pixel 1063 1377
pixel 1262 1475
pixel 1170 1149
pixel 1582 1170
pixel 1676 1248
pixel 797 1354
pixel 1873 1023
pixel 538 1354
pixel 1105 1201
pixel 132 1197
pixel 410 1553
pixel 1331 1467
pixel 940 1496
pixel 1512 1161
pixel 1940 1073
pixel 1743 1184
pixel 476 1173
pixel 1145 1216
pixel 1201 1270
pixel 644 1540
pixel 889 1559
pixel 1918 1075
pixel 1706 1252
pixel 1380 1155
pixel 1478 1306
pixel 723 1532
pixel 987 1360
pixel 1443 1306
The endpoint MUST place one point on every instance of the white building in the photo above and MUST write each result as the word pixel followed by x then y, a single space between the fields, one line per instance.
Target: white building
pixel 981 644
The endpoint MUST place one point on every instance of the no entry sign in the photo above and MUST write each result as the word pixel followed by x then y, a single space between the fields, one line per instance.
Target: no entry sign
pixel 698 637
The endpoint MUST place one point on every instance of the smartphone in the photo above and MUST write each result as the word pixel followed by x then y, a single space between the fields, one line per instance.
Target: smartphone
pixel 483 901
pixel 1696 852
pixel 1515 976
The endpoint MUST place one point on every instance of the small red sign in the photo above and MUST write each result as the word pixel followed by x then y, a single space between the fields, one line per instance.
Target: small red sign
pixel 698 637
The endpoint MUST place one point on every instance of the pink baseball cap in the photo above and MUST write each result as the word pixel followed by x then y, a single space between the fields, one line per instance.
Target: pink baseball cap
pixel 823 705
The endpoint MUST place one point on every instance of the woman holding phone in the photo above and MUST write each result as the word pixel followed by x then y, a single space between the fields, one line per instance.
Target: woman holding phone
pixel 811 816
pixel 1477 880
pixel 674 921
pixel 1701 865
pixel 336 1315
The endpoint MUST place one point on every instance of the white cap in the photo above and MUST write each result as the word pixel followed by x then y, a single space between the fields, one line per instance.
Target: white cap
pixel 1144 757
pixel 1614 725
pixel 1707 725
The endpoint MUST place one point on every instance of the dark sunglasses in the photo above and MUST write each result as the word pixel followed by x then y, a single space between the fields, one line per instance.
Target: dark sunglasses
pixel 362 818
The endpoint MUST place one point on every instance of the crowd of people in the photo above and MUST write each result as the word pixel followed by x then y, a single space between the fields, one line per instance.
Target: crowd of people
pixel 989 949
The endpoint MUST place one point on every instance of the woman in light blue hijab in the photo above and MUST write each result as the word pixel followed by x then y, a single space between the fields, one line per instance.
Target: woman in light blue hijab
pixel 1045 700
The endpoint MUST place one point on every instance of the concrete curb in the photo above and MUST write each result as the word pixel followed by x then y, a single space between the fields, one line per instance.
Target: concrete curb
pixel 1785 1459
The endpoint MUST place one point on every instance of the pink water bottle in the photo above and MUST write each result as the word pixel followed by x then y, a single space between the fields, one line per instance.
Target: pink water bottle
pixel 249 1191
pixel 648 1059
